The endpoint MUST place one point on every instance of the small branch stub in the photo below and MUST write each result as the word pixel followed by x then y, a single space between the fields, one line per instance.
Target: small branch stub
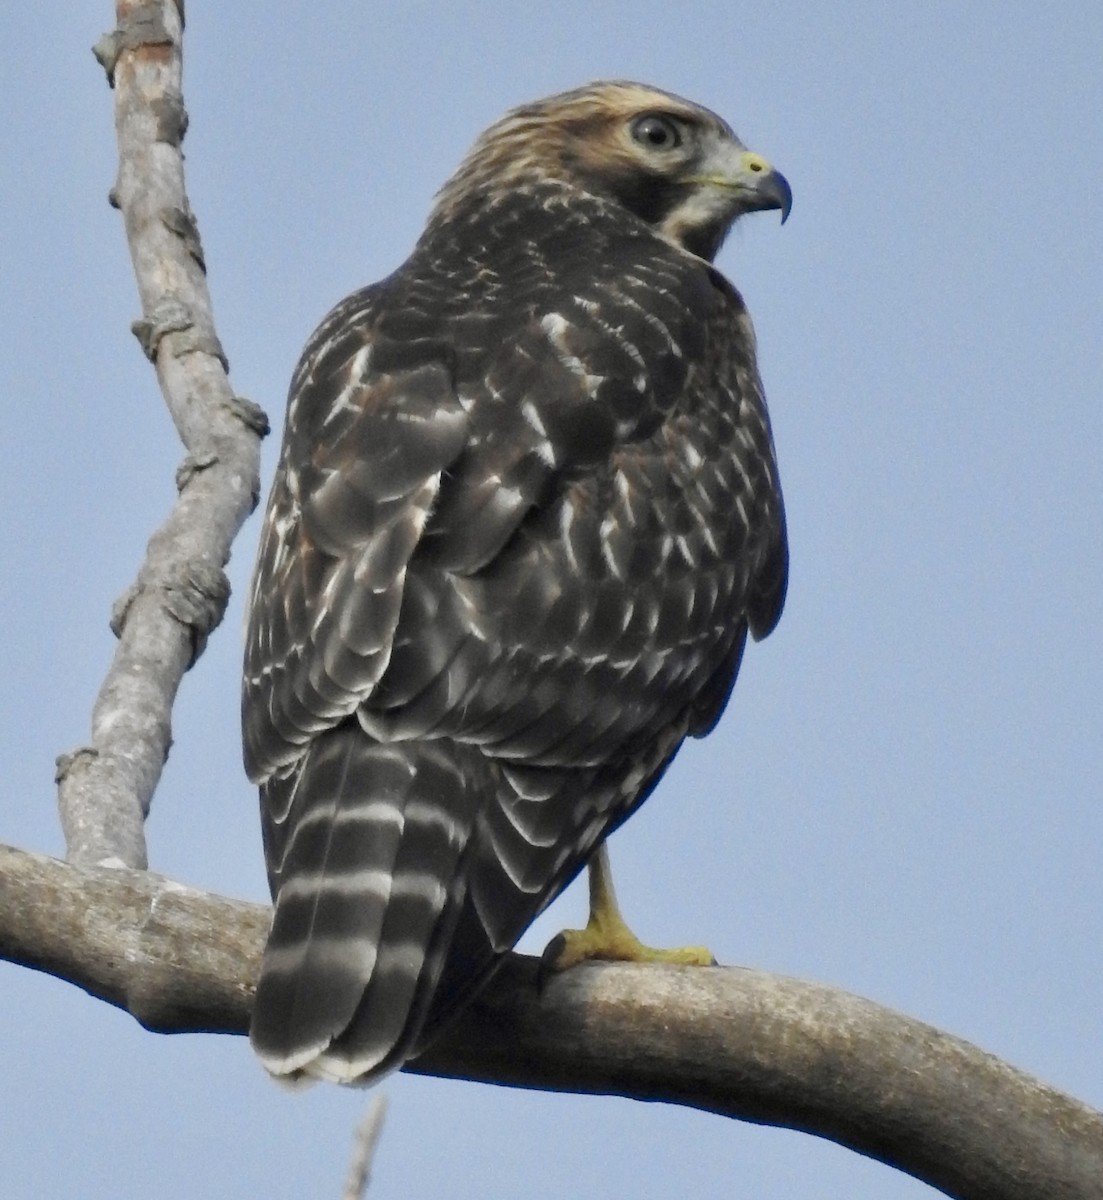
pixel 197 598
pixel 171 117
pixel 170 316
pixel 143 25
pixel 181 221
pixel 250 414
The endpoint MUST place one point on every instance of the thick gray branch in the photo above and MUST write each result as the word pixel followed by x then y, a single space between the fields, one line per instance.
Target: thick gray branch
pixel 737 1042
pixel 181 591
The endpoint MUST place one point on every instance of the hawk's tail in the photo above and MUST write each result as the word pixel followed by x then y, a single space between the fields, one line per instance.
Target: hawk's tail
pixel 364 910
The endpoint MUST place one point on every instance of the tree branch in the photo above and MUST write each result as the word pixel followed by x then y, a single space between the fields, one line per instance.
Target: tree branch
pixel 732 1041
pixel 364 1146
pixel 180 594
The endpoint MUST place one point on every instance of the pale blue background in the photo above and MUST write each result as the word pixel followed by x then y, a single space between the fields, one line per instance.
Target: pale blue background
pixel 903 798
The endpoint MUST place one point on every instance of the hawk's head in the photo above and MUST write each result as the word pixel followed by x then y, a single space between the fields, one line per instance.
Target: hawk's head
pixel 674 164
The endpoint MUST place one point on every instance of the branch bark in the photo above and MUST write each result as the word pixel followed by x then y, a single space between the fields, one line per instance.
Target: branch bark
pixel 163 619
pixel 736 1042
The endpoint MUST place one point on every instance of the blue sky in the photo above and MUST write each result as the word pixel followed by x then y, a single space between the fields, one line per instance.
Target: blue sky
pixel 903 798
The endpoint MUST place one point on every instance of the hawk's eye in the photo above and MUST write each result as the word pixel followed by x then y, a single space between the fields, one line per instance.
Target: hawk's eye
pixel 656 133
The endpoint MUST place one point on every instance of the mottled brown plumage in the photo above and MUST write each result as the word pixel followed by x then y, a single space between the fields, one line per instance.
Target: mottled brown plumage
pixel 526 512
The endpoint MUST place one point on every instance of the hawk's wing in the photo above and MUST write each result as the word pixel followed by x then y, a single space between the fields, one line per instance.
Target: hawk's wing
pixel 369 431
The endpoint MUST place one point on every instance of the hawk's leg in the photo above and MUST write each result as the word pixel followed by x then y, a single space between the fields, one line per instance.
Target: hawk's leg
pixel 606 935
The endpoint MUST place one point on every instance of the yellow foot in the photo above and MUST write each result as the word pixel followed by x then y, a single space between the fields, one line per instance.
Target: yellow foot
pixel 606 935
pixel 573 946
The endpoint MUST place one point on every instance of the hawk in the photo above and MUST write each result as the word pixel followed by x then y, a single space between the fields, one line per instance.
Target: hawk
pixel 526 513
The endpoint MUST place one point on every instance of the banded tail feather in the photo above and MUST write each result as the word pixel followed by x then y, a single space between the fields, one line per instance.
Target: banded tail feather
pixel 368 886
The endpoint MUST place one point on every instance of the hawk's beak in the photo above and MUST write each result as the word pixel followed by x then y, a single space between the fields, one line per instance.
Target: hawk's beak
pixel 760 187
pixel 769 188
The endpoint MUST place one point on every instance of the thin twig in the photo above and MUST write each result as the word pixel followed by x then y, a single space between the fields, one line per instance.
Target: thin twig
pixel 732 1041
pixel 364 1143
pixel 180 594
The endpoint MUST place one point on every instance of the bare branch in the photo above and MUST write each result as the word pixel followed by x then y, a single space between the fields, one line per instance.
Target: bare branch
pixel 363 1148
pixel 732 1041
pixel 181 591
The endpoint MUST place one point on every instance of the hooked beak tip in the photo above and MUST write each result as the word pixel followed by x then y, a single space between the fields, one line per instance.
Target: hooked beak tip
pixel 781 191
